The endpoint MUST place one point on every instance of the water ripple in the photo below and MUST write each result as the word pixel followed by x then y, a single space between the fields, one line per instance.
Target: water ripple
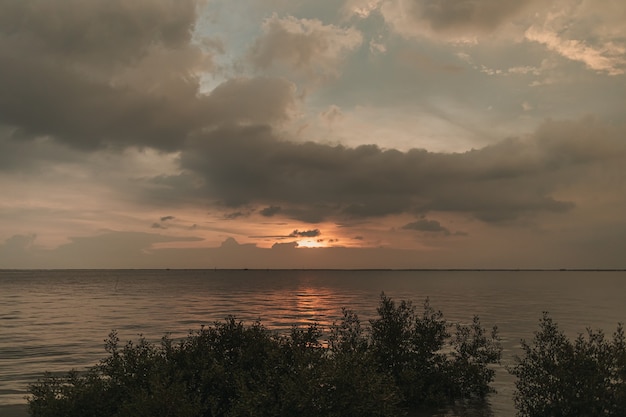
pixel 58 320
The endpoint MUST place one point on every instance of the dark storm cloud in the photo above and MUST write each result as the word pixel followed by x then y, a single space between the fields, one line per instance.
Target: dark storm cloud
pixel 67 70
pixel 97 73
pixel 424 225
pixel 81 112
pixel 312 182
pixel 105 32
pixel 86 113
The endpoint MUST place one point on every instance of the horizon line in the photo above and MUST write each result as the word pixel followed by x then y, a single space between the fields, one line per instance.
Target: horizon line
pixel 333 269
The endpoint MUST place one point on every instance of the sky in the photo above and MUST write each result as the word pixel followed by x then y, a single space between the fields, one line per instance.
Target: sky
pixel 312 134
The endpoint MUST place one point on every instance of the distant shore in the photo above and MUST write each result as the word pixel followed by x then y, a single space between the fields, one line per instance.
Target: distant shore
pixel 332 269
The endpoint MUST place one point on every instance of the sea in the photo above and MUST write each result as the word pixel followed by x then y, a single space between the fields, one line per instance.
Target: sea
pixel 57 320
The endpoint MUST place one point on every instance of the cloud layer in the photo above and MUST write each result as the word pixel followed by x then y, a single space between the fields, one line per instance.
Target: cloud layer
pixel 314 182
pixel 424 126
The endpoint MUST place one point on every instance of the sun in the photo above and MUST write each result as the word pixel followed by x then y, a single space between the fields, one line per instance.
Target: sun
pixel 311 243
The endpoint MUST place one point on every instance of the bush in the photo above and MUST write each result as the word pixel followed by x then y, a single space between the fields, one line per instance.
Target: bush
pixel 404 361
pixel 557 377
pixel 430 366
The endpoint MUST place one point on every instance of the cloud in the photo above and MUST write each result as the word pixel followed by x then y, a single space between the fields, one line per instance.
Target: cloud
pixel 312 182
pixel 270 211
pixel 167 218
pixel 295 233
pixel 251 100
pixel 305 233
pixel 284 246
pixel 19 251
pixel 125 116
pixel 453 20
pixel 592 33
pixel 229 242
pixel 331 115
pixel 424 225
pixel 138 27
pixel 234 215
pixel 145 250
pixel 139 85
pixel 107 248
pixel 17 154
pixel 19 242
pixel 133 85
pixel 361 8
pixel 608 58
pixel 455 15
pixel 304 45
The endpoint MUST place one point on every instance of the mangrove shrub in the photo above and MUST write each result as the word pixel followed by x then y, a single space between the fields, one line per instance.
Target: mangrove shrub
pixel 557 377
pixel 401 361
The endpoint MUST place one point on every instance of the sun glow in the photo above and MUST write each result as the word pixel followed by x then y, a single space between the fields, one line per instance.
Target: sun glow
pixel 311 243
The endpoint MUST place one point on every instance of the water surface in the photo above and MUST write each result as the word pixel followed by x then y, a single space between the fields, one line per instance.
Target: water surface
pixel 57 320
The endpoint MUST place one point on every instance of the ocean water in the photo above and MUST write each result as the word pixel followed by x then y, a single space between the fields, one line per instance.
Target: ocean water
pixel 57 320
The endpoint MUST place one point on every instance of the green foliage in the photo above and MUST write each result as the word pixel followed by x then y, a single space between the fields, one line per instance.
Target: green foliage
pixel 430 366
pixel 403 361
pixel 558 377
pixel 355 386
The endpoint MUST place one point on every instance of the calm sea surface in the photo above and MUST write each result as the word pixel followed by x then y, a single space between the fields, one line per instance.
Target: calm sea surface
pixel 57 320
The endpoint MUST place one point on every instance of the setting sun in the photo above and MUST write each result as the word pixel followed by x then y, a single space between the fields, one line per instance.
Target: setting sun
pixel 311 243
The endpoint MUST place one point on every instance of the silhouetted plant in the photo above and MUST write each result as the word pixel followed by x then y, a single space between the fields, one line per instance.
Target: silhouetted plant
pixel 430 366
pixel 234 370
pixel 474 350
pixel 557 377
pixel 354 385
